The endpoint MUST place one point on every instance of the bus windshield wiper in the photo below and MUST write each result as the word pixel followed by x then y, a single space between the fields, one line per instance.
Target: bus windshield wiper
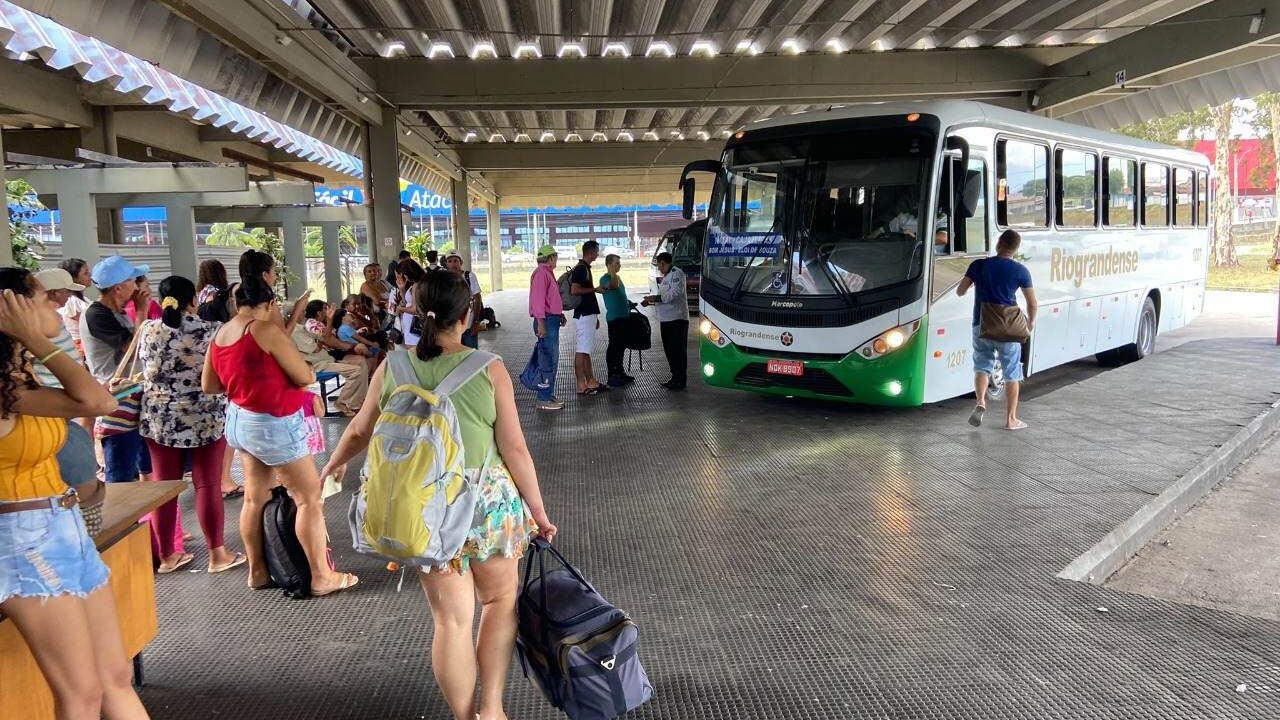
pixel 736 292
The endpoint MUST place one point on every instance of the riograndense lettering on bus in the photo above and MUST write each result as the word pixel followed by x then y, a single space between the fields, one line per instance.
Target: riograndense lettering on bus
pixel 1078 267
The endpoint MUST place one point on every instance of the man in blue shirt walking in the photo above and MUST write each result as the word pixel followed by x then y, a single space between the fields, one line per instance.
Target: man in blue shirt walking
pixel 997 280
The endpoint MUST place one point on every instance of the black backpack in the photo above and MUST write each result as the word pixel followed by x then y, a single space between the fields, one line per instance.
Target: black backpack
pixel 639 334
pixel 218 309
pixel 286 562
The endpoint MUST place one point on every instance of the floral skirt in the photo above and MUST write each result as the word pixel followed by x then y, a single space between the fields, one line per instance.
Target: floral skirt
pixel 502 524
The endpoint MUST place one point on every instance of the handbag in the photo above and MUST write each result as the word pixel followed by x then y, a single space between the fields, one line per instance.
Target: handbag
pixel 127 391
pixel 1002 323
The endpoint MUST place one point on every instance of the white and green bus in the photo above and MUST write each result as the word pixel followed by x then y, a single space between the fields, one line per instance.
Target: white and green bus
pixel 835 241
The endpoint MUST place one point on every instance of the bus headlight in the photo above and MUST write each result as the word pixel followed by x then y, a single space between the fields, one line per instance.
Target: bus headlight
pixel 712 333
pixel 888 341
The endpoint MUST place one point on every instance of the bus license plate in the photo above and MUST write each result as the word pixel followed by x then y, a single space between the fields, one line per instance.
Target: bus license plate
pixel 794 368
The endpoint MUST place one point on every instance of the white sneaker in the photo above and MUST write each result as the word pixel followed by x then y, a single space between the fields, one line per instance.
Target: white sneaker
pixel 552 404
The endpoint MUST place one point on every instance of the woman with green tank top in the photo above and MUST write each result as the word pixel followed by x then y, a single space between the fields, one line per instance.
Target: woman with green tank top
pixel 510 505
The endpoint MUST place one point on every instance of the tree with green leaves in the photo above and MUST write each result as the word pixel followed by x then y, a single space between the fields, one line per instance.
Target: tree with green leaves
pixel 1183 129
pixel 23 204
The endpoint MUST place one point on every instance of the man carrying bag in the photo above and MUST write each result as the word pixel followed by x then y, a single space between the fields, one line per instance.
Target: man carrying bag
pixel 999 325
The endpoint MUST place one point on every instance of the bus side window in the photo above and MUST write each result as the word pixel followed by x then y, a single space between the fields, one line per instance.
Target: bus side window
pixel 1202 198
pixel 1183 195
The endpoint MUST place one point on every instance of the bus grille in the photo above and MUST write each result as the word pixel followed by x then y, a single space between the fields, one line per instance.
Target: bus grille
pixel 793 319
pixel 814 380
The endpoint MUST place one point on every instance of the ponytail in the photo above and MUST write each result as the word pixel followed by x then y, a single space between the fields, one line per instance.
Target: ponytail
pixel 441 301
pixel 177 294
pixel 253 291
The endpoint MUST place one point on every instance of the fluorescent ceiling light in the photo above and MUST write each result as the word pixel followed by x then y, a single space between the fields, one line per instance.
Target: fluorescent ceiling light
pixel 573 137
pixel 616 49
pixel 747 46
pixel 497 137
pixel 440 49
pixel 881 45
pixel 599 137
pixel 677 135
pixel 393 48
pixel 836 45
pixel 527 49
pixel 924 43
pixel 1052 40
pixel 547 136
pixel 725 133
pixel 625 136
pixel 482 49
pixel 651 135
pixel 705 48
pixel 572 49
pixel 704 135
pixel 791 46
pixel 659 49
pixel 523 137
pixel 470 136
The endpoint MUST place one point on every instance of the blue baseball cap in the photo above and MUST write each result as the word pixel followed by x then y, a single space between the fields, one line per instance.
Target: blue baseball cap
pixel 113 270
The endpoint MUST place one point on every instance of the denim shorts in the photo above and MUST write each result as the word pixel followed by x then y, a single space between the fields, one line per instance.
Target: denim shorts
pixel 274 441
pixel 48 552
pixel 985 353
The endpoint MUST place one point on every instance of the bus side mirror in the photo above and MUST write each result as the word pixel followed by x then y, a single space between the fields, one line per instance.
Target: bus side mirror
pixel 687 185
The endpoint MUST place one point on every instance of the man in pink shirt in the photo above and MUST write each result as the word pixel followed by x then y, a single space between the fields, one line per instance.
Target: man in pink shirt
pixel 547 311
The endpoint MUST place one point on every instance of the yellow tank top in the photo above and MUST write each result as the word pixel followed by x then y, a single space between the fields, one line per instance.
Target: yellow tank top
pixel 28 458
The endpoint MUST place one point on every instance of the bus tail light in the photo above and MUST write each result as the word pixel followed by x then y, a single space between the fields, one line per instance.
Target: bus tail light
pixel 888 341
pixel 712 333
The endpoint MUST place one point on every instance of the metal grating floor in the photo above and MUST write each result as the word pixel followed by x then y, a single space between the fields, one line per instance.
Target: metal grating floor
pixel 789 559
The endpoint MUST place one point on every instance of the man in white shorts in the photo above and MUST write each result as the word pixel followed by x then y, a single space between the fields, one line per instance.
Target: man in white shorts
pixel 586 319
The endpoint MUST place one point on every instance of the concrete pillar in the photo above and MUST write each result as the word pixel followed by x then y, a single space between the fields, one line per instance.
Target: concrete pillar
pixel 107 120
pixel 79 226
pixel 494 233
pixel 295 253
pixel 462 220
pixel 382 188
pixel 181 223
pixel 332 263
pixel 6 242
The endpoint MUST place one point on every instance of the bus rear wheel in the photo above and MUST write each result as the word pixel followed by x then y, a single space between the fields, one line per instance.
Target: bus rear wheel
pixel 1143 345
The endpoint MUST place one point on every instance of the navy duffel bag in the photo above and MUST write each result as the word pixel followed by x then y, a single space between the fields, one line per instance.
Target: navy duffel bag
pixel 576 647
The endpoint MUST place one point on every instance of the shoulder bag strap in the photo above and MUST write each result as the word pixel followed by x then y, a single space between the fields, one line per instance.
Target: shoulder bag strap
pixel 473 365
pixel 402 372
pixel 131 352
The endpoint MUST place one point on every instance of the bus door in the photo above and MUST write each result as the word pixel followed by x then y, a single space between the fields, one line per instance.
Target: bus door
pixel 961 234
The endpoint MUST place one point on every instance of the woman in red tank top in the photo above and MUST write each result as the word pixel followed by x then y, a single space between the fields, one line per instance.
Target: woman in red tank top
pixel 254 362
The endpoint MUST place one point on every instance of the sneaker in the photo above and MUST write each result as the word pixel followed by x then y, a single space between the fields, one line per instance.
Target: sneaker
pixel 551 404
pixel 617 381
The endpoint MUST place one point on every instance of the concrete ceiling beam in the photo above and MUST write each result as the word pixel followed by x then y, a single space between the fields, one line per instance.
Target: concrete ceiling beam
pixel 272 31
pixel 263 193
pixel 1207 39
pixel 31 91
pixel 638 82
pixel 165 181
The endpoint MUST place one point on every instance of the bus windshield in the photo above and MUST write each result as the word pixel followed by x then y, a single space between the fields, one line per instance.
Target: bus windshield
pixel 836 214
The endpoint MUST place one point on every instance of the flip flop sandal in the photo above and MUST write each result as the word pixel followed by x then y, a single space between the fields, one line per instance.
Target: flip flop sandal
pixel 183 561
pixel 975 417
pixel 1020 426
pixel 348 581
pixel 588 391
pixel 233 493
pixel 239 560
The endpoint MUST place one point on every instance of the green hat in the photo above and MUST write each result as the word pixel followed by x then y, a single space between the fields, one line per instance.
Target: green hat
pixel 547 251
